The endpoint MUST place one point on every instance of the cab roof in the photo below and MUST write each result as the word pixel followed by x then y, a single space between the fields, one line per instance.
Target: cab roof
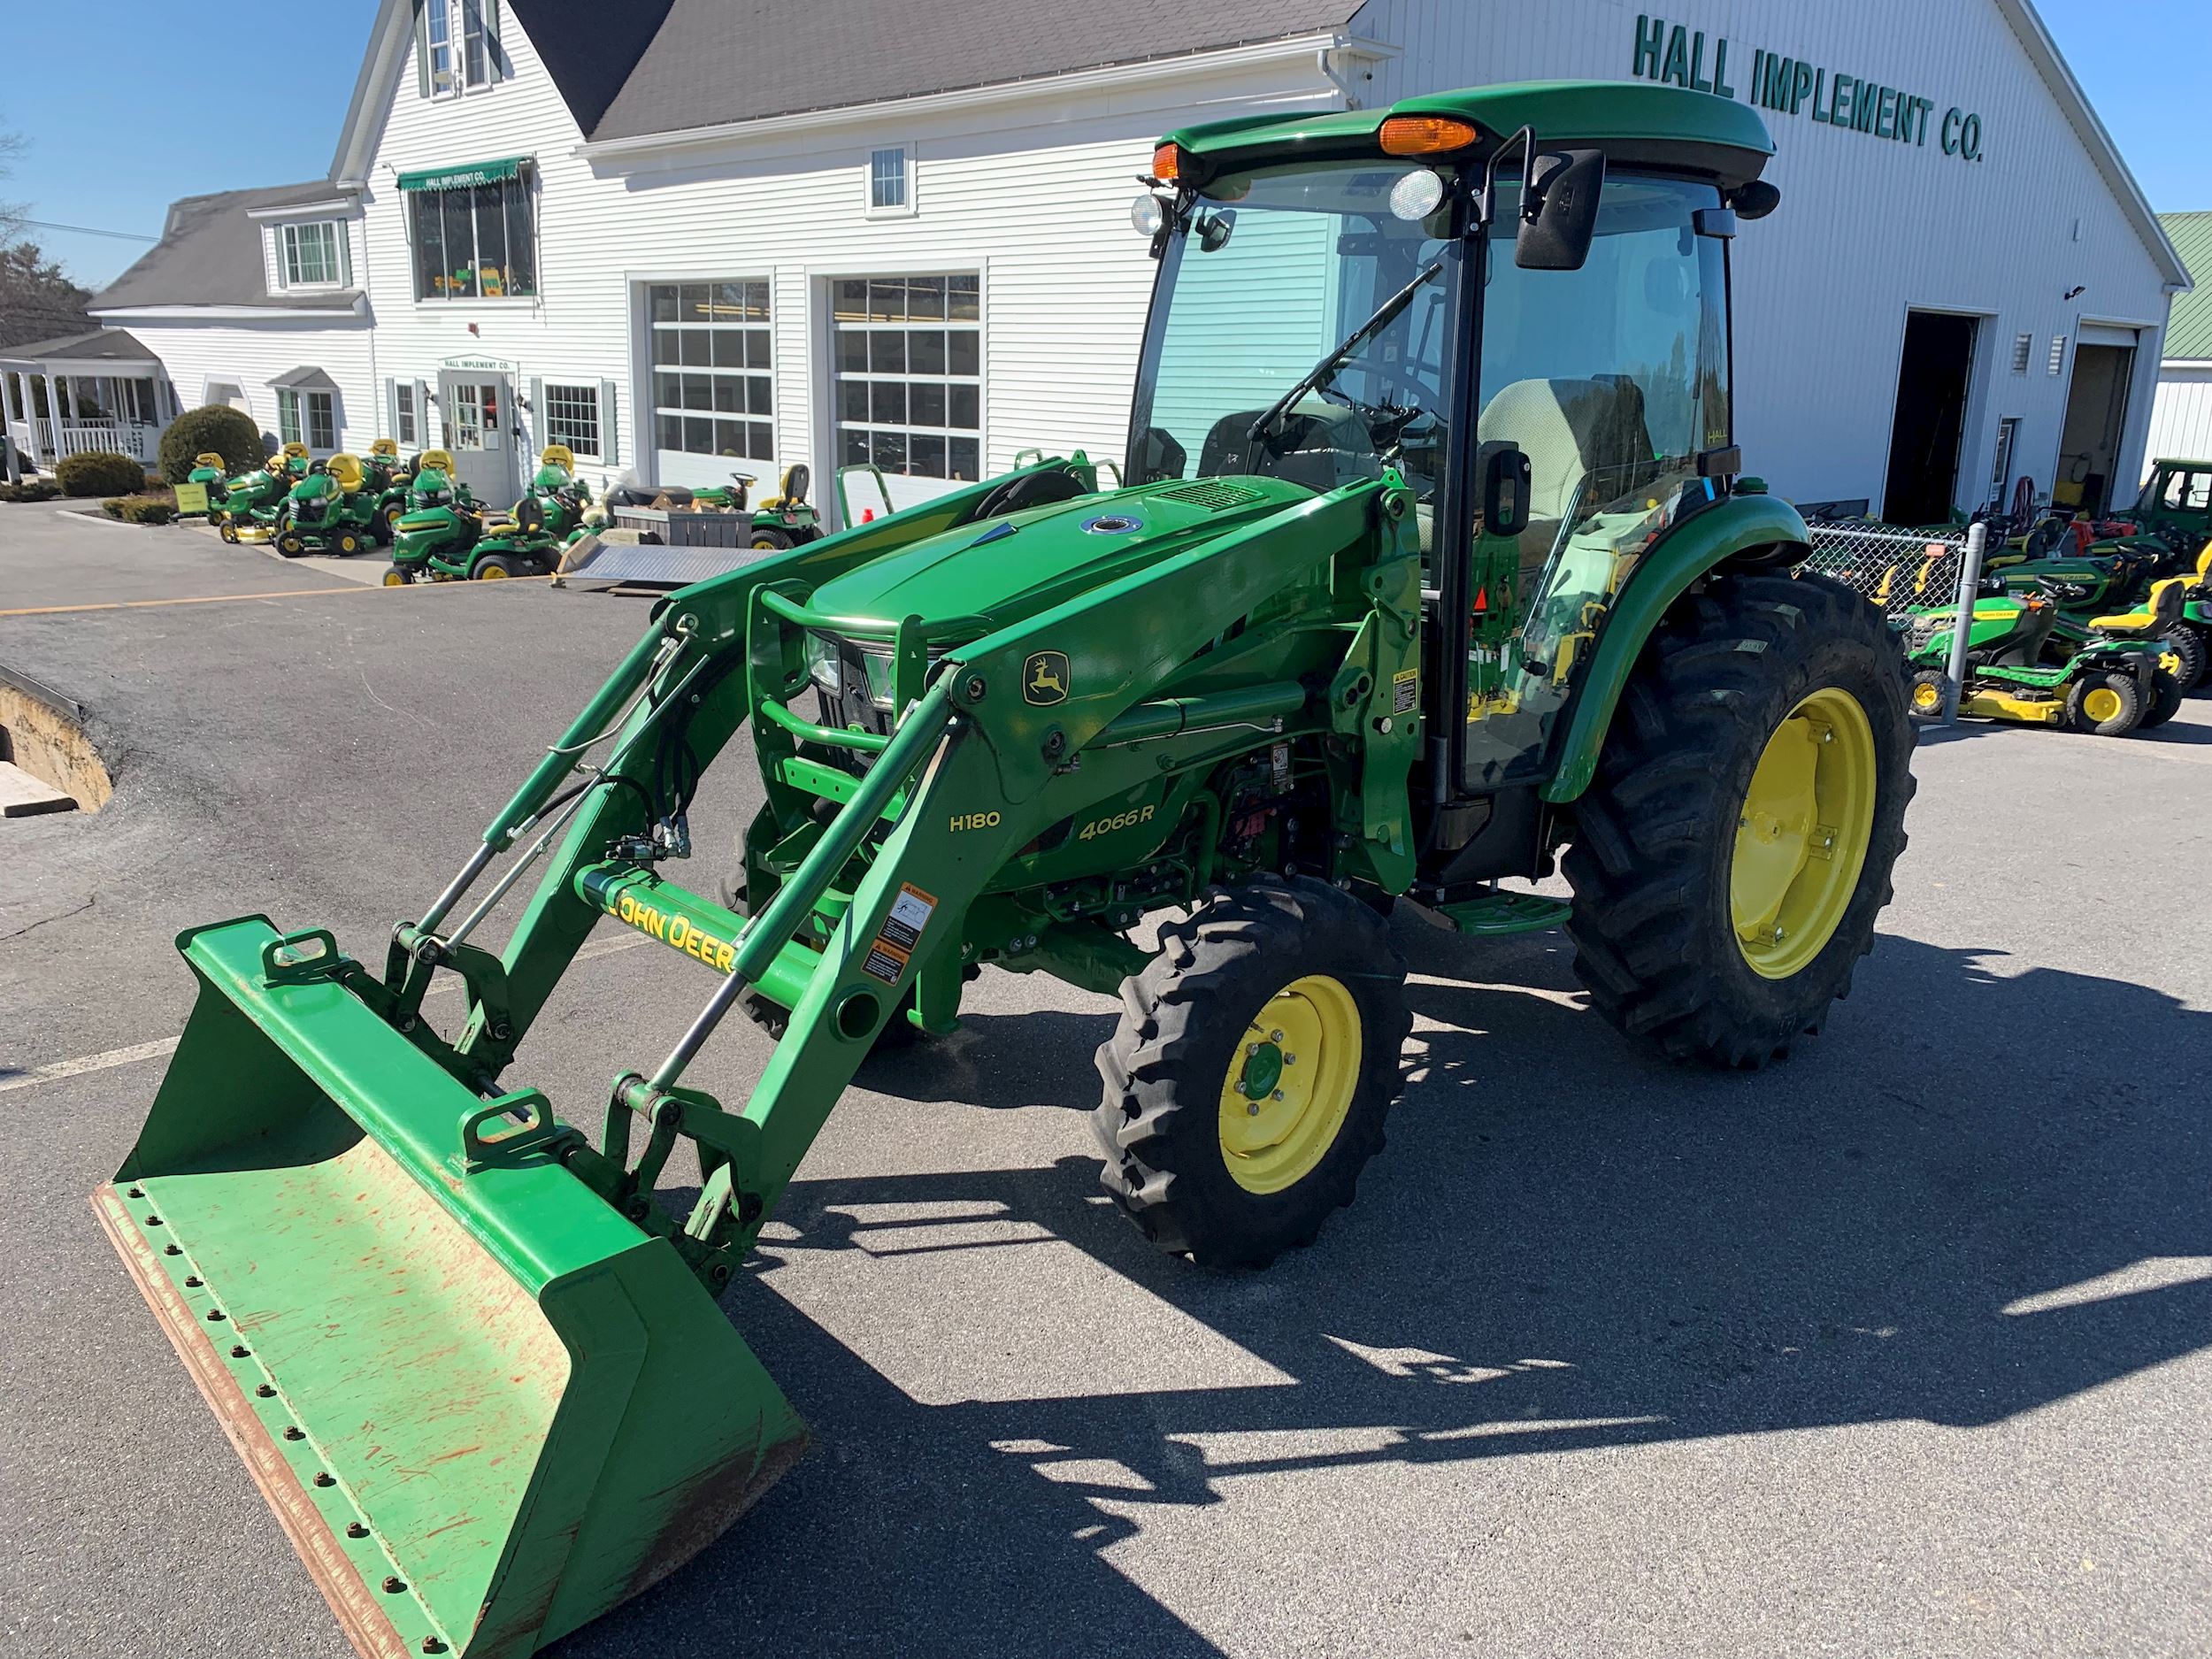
pixel 1633 121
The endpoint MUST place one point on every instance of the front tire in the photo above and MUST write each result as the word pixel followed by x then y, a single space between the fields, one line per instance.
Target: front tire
pixel 290 544
pixel 2104 705
pixel 1930 691
pixel 1731 854
pixel 1257 1059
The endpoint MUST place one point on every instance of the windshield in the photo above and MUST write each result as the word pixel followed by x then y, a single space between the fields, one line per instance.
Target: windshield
pixel 1279 269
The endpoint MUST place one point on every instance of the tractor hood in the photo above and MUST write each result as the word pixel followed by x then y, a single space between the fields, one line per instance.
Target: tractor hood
pixel 1007 568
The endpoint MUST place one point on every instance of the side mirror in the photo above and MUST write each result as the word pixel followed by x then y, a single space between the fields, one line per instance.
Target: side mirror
pixel 1505 475
pixel 1559 209
pixel 1754 200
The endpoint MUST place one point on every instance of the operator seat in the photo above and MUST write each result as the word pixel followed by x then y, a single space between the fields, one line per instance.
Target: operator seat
pixel 1321 447
pixel 1571 430
pixel 2158 612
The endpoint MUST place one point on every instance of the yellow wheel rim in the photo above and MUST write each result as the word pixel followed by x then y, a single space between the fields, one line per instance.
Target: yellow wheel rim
pixel 2102 704
pixel 2171 661
pixel 1927 696
pixel 492 573
pixel 393 579
pixel 1803 834
pixel 1290 1085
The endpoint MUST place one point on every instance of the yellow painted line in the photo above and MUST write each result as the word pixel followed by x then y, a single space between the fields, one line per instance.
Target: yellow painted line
pixel 225 599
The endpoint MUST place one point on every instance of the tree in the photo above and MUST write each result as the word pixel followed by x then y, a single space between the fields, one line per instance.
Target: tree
pixel 37 299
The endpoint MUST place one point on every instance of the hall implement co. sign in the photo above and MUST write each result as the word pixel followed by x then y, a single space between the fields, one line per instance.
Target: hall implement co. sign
pixel 1791 86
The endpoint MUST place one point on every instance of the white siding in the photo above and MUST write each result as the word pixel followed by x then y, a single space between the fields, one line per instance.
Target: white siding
pixel 1867 228
pixel 1035 198
pixel 2181 422
pixel 253 354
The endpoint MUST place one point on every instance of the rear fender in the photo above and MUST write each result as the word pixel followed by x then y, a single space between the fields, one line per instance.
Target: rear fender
pixel 1737 528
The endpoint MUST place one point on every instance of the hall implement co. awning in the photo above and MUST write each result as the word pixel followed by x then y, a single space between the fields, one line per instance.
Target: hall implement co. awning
pixel 464 178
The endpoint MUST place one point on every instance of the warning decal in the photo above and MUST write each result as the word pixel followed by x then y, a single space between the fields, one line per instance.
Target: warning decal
pixel 890 951
pixel 1405 689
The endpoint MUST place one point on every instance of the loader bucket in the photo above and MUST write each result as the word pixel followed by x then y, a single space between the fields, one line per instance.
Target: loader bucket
pixel 485 1406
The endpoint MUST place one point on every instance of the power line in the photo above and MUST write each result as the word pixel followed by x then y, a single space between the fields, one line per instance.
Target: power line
pixel 87 230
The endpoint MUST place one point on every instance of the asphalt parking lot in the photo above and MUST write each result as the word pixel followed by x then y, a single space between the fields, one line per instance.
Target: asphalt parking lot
pixel 1900 1348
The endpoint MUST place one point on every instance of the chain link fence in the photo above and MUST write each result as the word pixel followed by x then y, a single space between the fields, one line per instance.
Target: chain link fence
pixel 1896 569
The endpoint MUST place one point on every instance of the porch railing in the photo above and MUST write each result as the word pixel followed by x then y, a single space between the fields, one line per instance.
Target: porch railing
pixel 135 438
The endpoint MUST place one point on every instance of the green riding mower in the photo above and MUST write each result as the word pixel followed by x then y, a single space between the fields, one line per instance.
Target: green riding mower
pixel 2107 683
pixel 251 501
pixel 436 536
pixel 445 544
pixel 786 519
pixel 387 478
pixel 212 474
pixel 330 510
pixel 1396 603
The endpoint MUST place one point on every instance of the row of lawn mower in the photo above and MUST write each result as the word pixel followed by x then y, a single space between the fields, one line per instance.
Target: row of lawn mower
pixel 2098 628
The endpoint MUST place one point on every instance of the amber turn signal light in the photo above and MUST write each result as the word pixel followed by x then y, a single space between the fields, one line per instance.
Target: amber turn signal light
pixel 1426 135
pixel 1167 165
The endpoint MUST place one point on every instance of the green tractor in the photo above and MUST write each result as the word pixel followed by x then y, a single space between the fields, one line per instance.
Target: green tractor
pixel 438 533
pixel 1434 558
pixel 2176 504
pixel 251 501
pixel 330 510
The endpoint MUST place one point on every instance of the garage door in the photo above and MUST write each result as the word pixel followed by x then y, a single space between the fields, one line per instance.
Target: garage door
pixel 713 390
pixel 907 360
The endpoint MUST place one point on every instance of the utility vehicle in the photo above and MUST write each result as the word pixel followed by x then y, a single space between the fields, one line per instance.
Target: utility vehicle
pixel 1434 557
pixel 784 520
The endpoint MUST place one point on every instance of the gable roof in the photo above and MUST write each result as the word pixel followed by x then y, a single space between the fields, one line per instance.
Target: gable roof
pixel 100 345
pixel 2189 330
pixel 210 254
pixel 710 62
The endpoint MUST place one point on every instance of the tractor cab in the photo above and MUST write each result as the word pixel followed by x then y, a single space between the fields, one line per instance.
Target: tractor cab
pixel 1485 296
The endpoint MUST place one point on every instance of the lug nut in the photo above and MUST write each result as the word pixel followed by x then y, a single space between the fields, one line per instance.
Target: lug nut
pixel 1253 1110
pixel 1277 1095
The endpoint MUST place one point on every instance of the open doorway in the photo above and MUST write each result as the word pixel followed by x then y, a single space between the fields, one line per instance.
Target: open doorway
pixel 2096 417
pixel 1932 380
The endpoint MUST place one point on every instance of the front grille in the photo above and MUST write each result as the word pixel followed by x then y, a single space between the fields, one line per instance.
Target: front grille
pixel 1212 494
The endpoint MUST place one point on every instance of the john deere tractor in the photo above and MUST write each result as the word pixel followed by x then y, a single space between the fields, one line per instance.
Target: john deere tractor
pixel 252 500
pixel 1434 557
pixel 330 510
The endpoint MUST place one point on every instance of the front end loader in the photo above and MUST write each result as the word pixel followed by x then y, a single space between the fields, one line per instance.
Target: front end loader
pixel 1433 558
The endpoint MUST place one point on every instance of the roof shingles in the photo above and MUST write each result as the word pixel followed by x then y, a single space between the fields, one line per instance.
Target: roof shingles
pixel 210 254
pixel 2189 328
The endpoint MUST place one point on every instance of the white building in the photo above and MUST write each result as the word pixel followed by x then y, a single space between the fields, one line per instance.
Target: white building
pixel 665 240
pixel 2181 422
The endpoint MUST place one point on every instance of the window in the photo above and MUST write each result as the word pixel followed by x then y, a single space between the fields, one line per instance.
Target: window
pixel 313 254
pixel 320 431
pixel 2187 491
pixel 909 374
pixel 2023 350
pixel 888 181
pixel 403 413
pixel 713 386
pixel 460 42
pixel 438 43
pixel 474 242
pixel 475 48
pixel 571 417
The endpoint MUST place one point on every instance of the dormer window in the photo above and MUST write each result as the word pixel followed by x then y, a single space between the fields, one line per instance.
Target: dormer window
pixel 457 47
pixel 313 254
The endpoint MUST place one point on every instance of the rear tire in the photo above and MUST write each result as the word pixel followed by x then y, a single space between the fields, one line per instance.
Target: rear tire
pixel 497 567
pixel 768 541
pixel 2104 705
pixel 2165 702
pixel 1677 935
pixel 1236 1187
pixel 2187 647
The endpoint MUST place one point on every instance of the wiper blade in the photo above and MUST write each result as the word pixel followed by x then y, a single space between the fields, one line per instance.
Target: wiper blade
pixel 1324 371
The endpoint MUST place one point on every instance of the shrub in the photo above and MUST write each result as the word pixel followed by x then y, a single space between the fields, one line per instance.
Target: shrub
pixel 99 472
pixel 229 432
pixel 30 489
pixel 140 509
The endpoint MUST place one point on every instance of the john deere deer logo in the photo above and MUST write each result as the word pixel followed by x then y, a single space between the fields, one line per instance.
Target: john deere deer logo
pixel 1045 678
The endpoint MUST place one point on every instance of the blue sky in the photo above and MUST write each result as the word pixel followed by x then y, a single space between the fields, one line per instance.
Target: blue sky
pixel 118 135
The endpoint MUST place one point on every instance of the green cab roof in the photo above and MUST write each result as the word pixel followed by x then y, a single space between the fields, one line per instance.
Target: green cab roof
pixel 1632 120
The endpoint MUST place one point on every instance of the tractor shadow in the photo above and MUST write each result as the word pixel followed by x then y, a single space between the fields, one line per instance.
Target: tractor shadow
pixel 1952 1208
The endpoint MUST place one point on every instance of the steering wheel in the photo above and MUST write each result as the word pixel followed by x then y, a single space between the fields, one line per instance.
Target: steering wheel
pixel 1029 489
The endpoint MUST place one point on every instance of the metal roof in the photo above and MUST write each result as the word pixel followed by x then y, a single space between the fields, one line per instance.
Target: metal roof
pixel 2189 329
pixel 306 377
pixel 210 254
pixel 109 346
pixel 711 63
